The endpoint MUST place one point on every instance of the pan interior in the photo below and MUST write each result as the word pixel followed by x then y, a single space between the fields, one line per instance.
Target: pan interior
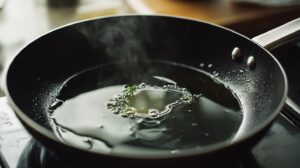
pixel 209 115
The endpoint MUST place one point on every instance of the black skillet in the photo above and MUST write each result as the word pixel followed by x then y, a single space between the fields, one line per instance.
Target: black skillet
pixel 38 71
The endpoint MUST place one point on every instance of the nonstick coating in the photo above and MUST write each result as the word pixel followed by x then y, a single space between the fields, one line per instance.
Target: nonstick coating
pixel 38 71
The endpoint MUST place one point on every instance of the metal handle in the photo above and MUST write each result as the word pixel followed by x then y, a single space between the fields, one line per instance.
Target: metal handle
pixel 292 111
pixel 280 35
pixel 274 38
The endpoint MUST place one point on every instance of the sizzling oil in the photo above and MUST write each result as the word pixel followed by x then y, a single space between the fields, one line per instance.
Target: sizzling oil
pixel 161 122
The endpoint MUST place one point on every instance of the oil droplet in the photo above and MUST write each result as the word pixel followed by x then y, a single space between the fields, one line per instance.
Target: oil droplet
pixel 202 65
pixel 216 74
pixel 194 124
pixel 174 151
pixel 210 65
pixel 251 63
pixel 110 105
pixel 116 111
pixel 236 54
pixel 101 126
pixel 164 130
pixel 124 115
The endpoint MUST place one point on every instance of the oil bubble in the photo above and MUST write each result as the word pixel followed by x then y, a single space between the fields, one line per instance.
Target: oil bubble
pixel 153 113
pixel 202 65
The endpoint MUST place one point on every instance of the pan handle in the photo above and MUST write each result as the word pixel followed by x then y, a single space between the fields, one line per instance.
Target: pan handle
pixel 280 35
pixel 274 38
pixel 291 111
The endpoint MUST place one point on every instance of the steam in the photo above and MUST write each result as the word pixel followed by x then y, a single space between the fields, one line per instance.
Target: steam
pixel 126 40
pixel 123 40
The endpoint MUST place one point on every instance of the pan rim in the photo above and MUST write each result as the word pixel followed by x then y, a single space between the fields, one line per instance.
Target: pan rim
pixel 219 146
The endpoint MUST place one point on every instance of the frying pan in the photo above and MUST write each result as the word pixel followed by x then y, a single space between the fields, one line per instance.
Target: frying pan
pixel 38 71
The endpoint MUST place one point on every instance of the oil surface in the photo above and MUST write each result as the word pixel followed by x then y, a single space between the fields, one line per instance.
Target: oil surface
pixel 162 122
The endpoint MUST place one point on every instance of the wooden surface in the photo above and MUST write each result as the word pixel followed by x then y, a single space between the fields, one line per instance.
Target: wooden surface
pixel 244 18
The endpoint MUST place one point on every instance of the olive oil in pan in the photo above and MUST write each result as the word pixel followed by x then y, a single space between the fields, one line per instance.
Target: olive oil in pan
pixel 159 107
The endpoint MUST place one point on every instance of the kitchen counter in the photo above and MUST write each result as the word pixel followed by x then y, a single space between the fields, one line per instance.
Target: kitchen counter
pixel 237 16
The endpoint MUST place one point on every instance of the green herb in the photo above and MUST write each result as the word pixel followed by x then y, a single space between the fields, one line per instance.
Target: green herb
pixel 129 90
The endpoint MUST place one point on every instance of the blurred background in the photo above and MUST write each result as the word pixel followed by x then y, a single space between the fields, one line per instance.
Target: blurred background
pixel 21 21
